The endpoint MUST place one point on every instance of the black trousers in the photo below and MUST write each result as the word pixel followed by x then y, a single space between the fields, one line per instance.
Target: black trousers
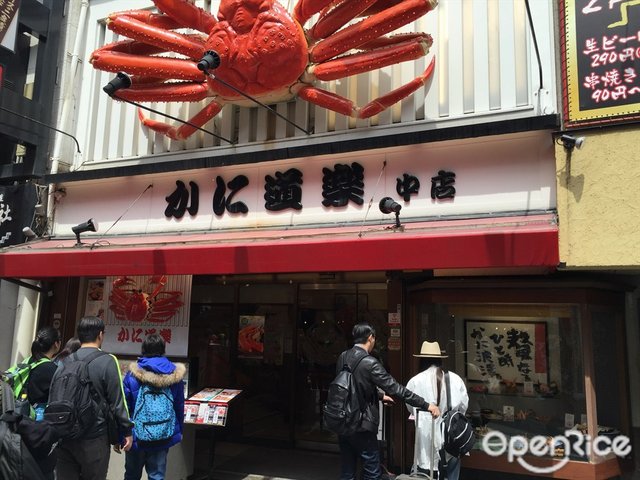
pixel 83 459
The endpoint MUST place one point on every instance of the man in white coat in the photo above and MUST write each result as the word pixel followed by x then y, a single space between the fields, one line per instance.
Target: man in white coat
pixel 425 384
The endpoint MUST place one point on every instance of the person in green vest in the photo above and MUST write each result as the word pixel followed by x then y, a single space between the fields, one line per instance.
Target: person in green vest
pixel 30 379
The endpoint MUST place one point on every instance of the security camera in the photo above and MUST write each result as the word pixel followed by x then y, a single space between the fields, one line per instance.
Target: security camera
pixel 569 141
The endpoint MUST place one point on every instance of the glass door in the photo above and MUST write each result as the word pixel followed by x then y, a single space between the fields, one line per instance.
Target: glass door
pixel 264 361
pixel 326 316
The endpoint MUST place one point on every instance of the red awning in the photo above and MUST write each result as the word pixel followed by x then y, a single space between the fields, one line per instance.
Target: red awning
pixel 523 241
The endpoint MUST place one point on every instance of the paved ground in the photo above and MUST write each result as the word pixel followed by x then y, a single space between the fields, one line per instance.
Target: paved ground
pixel 249 462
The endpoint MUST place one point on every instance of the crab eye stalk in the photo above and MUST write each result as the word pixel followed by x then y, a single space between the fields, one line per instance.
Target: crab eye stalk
pixel 120 81
pixel 210 61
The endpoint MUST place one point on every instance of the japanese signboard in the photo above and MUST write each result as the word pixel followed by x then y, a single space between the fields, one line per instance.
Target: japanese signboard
pixel 9 23
pixel 510 351
pixel 141 305
pixel 435 182
pixel 601 40
pixel 15 212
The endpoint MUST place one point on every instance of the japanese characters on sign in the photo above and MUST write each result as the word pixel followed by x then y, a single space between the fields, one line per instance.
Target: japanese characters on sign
pixel 514 352
pixel 283 190
pixel 5 217
pixel 602 54
pixel 15 213
pixel 8 28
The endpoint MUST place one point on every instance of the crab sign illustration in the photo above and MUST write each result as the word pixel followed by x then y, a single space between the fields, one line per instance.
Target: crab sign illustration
pixel 264 51
pixel 150 303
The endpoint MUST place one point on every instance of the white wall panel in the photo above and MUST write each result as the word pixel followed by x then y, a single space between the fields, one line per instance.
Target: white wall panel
pixel 486 69
pixel 507 59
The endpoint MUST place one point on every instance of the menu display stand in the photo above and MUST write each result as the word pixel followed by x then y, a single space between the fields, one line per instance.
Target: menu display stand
pixel 210 408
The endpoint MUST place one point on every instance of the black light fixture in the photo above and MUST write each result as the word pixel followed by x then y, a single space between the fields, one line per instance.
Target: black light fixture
pixel 123 81
pixel 570 142
pixel 389 205
pixel 120 81
pixel 210 61
pixel 88 226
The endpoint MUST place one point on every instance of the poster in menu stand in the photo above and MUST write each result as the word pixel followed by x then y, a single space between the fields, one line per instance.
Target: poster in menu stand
pixel 209 406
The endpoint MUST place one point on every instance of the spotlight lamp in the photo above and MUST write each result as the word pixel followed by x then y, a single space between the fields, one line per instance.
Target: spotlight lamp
pixel 389 205
pixel 120 81
pixel 28 233
pixel 571 141
pixel 210 61
pixel 88 226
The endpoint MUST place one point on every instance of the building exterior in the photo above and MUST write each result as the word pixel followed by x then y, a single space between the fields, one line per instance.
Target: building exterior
pixel 592 181
pixel 29 44
pixel 256 256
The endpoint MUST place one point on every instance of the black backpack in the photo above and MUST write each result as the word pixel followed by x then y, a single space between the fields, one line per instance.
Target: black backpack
pixel 342 414
pixel 22 441
pixel 73 402
pixel 457 430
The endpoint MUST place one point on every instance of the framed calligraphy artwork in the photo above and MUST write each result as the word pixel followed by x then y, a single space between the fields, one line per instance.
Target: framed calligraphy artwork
pixel 510 351
pixel 600 60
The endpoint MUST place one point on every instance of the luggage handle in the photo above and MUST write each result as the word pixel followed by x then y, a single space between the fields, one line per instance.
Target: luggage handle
pixel 433 443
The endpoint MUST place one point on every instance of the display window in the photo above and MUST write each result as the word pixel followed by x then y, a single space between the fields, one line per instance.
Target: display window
pixel 523 368
pixel 535 372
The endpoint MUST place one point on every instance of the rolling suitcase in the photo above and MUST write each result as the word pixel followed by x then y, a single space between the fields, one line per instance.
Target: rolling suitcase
pixel 433 473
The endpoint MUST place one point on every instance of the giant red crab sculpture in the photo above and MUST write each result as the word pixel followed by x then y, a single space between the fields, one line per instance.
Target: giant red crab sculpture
pixel 264 52
pixel 150 303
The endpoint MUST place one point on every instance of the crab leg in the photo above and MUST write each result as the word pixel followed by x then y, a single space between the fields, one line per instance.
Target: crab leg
pixel 371 60
pixel 305 9
pixel 395 39
pixel 345 106
pixel 184 131
pixel 160 281
pixel 381 5
pixel 189 46
pixel 146 16
pixel 131 47
pixel 370 28
pixel 187 14
pixel 163 92
pixel 157 67
pixel 337 17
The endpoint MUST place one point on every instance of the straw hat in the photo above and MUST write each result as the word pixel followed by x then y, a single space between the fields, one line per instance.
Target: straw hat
pixel 431 350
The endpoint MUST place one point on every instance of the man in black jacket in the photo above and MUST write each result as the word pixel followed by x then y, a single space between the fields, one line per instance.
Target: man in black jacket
pixel 87 458
pixel 373 383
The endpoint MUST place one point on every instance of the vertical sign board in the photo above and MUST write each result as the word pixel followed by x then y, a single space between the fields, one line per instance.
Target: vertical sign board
pixel 16 212
pixel 601 60
pixel 9 23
